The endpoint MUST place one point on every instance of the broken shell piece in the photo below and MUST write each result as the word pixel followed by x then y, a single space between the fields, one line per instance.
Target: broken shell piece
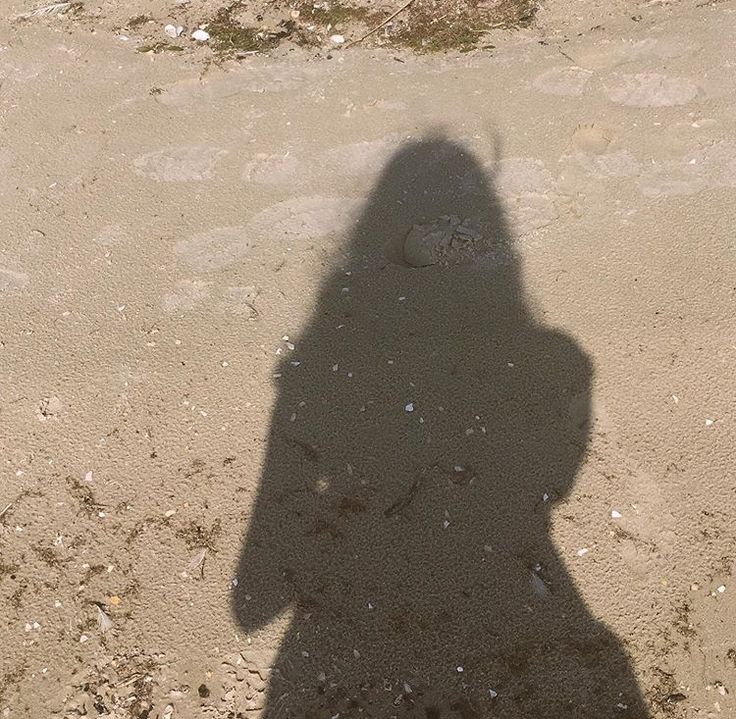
pixel 538 585
pixel 103 621
pixel 443 238
pixel 173 30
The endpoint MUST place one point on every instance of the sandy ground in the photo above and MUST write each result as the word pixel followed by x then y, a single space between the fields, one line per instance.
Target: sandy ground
pixel 255 465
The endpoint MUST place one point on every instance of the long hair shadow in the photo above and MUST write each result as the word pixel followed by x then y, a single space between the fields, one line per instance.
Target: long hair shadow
pixel 422 434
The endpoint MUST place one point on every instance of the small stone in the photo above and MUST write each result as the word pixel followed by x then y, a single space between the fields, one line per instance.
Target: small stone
pixel 200 35
pixel 709 422
pixel 582 552
pixel 409 407
pixel 493 693
pixel 615 514
pixel 173 30
pixel 337 39
pixel 721 589
pixel 169 513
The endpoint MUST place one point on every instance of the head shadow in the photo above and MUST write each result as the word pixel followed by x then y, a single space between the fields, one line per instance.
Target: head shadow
pixel 426 424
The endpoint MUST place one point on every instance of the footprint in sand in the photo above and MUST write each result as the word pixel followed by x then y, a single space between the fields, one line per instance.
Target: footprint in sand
pixel 280 169
pixel 527 191
pixel 703 168
pixel 305 219
pixel 11 280
pixel 214 250
pixel 649 89
pixel 186 296
pixel 606 55
pixel 111 235
pixel 591 139
pixel 593 148
pixel 290 224
pixel 239 83
pixel 360 159
pixel 566 81
pixel 179 164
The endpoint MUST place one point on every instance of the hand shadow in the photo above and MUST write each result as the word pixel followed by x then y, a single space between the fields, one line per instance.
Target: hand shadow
pixel 415 453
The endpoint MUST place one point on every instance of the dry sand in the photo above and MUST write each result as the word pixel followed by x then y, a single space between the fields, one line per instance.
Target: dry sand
pixel 254 465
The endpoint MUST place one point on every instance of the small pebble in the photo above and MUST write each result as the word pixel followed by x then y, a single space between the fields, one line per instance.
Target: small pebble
pixel 200 35
pixel 337 39
pixel 615 514
pixel 709 422
pixel 582 552
pixel 409 407
pixel 493 693
pixel 721 589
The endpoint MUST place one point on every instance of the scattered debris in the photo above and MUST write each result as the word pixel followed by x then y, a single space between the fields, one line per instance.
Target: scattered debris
pixel 445 239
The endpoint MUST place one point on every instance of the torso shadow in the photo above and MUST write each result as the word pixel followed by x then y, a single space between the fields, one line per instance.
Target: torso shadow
pixel 416 451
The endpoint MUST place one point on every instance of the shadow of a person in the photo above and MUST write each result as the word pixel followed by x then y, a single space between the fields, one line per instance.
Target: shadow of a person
pixel 416 450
